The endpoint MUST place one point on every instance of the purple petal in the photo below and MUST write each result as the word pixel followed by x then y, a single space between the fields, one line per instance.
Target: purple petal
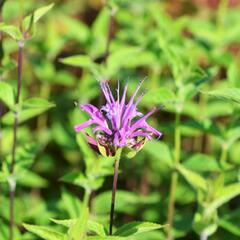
pixel 79 127
pixel 141 134
pixel 141 121
pixel 107 92
pixel 153 130
pixel 103 129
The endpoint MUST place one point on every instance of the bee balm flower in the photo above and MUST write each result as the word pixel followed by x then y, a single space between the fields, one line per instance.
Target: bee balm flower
pixel 118 124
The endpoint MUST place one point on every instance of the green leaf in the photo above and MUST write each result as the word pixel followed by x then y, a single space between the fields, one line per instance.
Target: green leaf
pixel 154 147
pixel 37 15
pixel 108 238
pixel 6 94
pixel 233 74
pixel 82 61
pixel 161 95
pixel 96 228
pixel 12 31
pixel 128 57
pixel 223 196
pixel 126 202
pixel 71 204
pixel 93 226
pixel 194 179
pixel 230 94
pixel 77 179
pixel 79 229
pixel 202 163
pixel 232 227
pixel 31 108
pixel 2 177
pixel 44 232
pixel 135 228
pixel 31 179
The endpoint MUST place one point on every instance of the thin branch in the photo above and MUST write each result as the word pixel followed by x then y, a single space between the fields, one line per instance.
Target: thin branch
pixel 114 189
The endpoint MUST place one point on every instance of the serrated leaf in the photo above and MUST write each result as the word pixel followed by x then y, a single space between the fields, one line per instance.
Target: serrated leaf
pixel 79 229
pixel 6 94
pixel 44 232
pixel 194 179
pixel 93 226
pixel 31 108
pixel 229 94
pixel 135 228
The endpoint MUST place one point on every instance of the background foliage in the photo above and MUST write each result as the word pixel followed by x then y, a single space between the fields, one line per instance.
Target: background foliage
pixel 189 53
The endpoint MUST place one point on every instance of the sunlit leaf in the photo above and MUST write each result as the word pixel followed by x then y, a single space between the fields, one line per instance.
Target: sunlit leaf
pixel 44 232
pixel 135 228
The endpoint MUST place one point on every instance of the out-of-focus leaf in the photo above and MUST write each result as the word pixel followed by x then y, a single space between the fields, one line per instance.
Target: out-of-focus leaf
pixel 36 16
pixel 202 163
pixel 99 32
pixel 2 177
pixel 44 232
pixel 31 179
pixel 230 94
pixel 108 238
pixel 75 29
pixel 194 179
pixel 126 202
pixel 233 74
pixel 6 94
pixel 128 57
pixel 223 196
pixel 82 61
pixel 80 180
pixel 230 226
pixel 154 147
pixel 31 108
pixel 12 31
pixel 71 204
pixel 159 96
pixel 135 228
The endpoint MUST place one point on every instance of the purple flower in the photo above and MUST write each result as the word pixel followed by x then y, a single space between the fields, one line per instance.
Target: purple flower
pixel 118 124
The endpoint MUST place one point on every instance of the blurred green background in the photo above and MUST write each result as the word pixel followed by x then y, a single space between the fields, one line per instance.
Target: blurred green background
pixel 189 53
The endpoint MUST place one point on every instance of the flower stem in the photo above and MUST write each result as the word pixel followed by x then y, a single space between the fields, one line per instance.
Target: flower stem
pixel 12 183
pixel 114 189
pixel 174 177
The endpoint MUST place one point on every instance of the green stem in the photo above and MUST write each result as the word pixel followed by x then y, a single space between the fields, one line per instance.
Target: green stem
pixel 114 189
pixel 223 156
pixel 174 177
pixel 86 197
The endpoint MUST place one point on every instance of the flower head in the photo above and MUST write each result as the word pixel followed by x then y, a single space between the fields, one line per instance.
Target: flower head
pixel 118 123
